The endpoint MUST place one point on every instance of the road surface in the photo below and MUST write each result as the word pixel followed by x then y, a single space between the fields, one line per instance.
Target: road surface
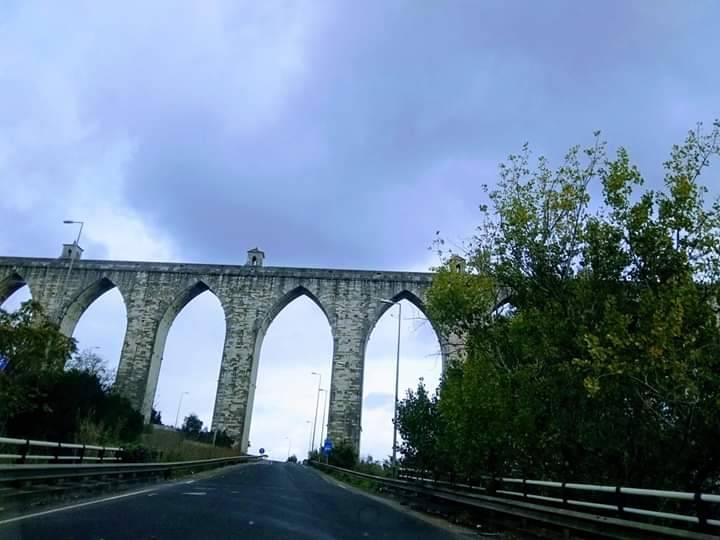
pixel 259 501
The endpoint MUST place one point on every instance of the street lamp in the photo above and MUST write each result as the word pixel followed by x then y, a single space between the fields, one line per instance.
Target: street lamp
pixel 310 442
pixel 76 244
pixel 177 416
pixel 322 426
pixel 289 445
pixel 71 222
pixel 397 376
pixel 317 402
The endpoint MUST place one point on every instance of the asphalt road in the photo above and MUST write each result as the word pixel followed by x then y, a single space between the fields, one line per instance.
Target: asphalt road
pixel 263 501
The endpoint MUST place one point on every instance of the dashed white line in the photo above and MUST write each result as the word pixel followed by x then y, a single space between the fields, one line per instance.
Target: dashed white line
pixel 194 493
pixel 72 506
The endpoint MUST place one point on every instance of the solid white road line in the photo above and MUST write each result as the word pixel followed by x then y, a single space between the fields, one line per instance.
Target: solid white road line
pixel 72 506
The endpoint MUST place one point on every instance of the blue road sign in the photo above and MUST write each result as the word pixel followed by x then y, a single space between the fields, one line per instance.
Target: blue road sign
pixel 3 363
pixel 327 446
pixel 262 451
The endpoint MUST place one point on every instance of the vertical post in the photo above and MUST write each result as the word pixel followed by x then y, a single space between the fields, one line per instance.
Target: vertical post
pixel 24 452
pixel 72 256
pixel 177 416
pixel 701 507
pixel 397 384
pixel 310 442
pixel 619 501
pixel 322 426
pixel 317 401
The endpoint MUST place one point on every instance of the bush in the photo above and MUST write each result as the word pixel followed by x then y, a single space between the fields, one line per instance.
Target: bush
pixel 369 466
pixel 138 453
pixel 343 455
pixel 292 459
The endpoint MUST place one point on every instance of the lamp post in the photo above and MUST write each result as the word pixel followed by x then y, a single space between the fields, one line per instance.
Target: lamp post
pixel 289 445
pixel 317 402
pixel 177 416
pixel 397 379
pixel 310 442
pixel 322 426
pixel 76 244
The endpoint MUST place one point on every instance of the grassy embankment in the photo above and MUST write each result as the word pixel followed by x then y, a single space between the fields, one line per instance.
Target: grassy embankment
pixel 173 446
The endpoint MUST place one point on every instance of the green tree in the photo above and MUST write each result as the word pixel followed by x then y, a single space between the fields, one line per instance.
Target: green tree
pixel 91 362
pixel 155 417
pixel 593 349
pixel 418 428
pixel 192 425
pixel 32 349
pixel 343 455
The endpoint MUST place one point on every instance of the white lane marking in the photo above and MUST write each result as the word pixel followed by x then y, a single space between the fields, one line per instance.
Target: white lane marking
pixel 194 493
pixel 152 494
pixel 72 506
pixel 189 481
pixel 251 523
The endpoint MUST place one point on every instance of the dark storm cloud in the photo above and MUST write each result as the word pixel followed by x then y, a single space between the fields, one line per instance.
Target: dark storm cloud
pixel 348 138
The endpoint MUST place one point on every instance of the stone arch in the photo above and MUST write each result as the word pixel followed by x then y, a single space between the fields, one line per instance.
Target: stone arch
pixel 415 300
pixel 282 302
pixel 262 325
pixel 11 283
pixel 174 307
pixel 77 306
pixel 380 309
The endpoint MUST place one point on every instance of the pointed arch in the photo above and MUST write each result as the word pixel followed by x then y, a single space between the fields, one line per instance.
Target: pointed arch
pixel 75 309
pixel 278 306
pixel 282 302
pixel 10 284
pixel 418 358
pixel 176 305
pixel 411 297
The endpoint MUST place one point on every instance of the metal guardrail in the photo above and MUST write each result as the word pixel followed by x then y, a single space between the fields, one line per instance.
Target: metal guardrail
pixel 56 451
pixel 23 474
pixel 588 507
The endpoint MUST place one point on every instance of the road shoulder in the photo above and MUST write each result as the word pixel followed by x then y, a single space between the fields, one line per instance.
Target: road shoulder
pixel 14 514
pixel 460 532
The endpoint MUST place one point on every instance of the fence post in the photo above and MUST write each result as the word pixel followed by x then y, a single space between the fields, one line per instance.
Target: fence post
pixel 702 512
pixel 24 451
pixel 101 454
pixel 524 488
pixel 619 501
pixel 57 452
pixel 82 453
pixel 563 494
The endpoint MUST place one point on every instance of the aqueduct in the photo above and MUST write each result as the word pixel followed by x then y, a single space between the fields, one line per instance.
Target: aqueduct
pixel 251 296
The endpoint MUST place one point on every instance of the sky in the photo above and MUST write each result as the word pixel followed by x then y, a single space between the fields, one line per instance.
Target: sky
pixel 329 134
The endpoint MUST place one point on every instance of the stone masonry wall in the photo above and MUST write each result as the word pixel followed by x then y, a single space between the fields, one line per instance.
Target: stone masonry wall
pixel 251 297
